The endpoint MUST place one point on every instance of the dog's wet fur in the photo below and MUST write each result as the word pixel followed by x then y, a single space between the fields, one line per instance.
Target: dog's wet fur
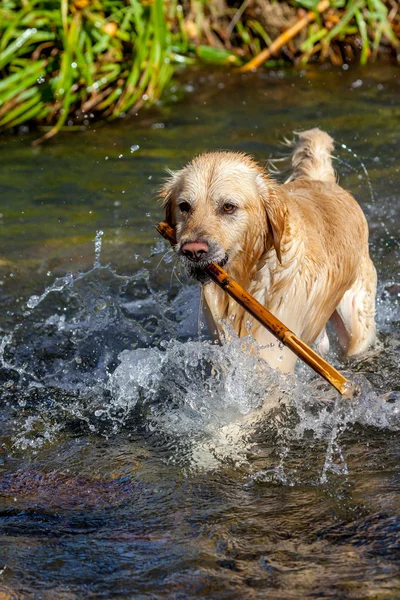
pixel 300 248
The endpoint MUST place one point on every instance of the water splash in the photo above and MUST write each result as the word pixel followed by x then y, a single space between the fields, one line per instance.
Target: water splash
pixel 367 176
pixel 364 168
pixel 339 425
pixel 8 366
pixel 97 248
pixel 58 286
pixel 110 353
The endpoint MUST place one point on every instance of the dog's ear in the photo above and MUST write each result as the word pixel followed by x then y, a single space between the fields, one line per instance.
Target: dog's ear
pixel 166 194
pixel 275 210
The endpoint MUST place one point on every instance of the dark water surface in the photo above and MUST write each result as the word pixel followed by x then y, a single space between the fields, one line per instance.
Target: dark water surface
pixel 124 470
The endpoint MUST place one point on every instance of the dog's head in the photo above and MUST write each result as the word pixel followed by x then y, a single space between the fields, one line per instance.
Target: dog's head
pixel 223 205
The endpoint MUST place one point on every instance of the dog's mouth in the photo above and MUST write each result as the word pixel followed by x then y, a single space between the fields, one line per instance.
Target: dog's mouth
pixel 197 268
pixel 224 261
pixel 205 262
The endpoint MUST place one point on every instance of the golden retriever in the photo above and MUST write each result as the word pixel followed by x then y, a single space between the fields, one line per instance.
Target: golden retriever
pixel 301 248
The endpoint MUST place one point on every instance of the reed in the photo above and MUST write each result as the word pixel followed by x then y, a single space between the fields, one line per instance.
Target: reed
pixel 69 62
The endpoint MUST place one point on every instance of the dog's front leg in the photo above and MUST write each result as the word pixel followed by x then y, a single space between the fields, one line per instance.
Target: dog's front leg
pixel 213 327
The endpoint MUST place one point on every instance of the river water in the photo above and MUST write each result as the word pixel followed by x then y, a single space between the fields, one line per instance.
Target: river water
pixel 128 467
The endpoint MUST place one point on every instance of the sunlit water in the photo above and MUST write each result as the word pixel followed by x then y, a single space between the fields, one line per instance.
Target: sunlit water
pixel 139 459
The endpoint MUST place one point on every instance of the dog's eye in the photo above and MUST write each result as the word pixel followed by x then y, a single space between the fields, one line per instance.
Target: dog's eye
pixel 184 207
pixel 229 208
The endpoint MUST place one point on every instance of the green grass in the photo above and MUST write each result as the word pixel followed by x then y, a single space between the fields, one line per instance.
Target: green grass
pixel 69 62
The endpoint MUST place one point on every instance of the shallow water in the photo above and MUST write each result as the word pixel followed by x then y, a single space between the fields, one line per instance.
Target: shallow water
pixel 130 467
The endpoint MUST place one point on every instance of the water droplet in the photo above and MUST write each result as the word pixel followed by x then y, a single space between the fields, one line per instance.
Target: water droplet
pixel 33 301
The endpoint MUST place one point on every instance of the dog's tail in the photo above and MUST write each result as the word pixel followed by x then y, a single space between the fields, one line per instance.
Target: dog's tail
pixel 312 156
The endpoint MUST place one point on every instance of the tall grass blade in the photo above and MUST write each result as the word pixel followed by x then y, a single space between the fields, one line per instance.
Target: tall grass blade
pixel 60 58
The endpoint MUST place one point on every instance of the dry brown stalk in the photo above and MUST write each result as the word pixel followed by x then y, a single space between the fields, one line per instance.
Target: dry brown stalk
pixel 267 319
pixel 284 38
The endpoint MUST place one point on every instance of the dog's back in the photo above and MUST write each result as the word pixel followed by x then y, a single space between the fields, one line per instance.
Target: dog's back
pixel 337 216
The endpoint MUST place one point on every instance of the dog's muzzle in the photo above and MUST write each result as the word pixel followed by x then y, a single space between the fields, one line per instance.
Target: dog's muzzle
pixel 198 254
pixel 201 253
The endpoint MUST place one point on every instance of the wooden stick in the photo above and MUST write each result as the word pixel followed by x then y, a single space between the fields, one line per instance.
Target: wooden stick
pixel 267 319
pixel 284 38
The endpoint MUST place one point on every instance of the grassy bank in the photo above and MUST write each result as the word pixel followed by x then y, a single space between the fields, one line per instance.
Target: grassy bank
pixel 64 63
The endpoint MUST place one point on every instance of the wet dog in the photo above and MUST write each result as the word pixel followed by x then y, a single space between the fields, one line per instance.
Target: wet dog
pixel 300 248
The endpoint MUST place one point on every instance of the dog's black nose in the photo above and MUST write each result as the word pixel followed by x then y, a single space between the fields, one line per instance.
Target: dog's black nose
pixel 194 250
